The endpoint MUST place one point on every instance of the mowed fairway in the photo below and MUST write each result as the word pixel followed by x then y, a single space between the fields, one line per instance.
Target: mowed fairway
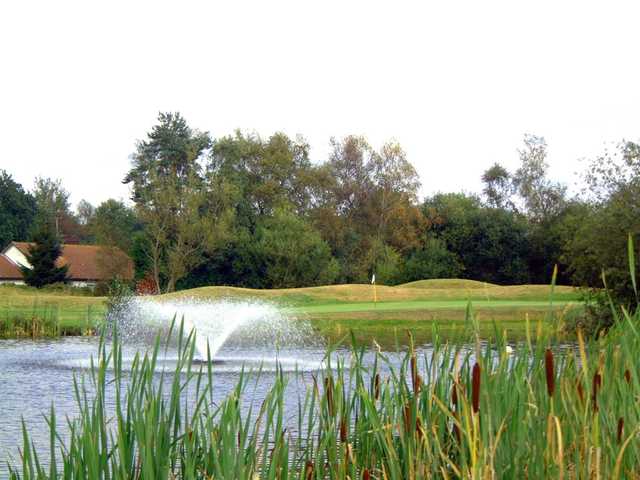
pixel 335 309
pixel 417 307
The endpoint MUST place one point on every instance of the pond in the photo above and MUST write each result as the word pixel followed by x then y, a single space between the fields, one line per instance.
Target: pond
pixel 38 374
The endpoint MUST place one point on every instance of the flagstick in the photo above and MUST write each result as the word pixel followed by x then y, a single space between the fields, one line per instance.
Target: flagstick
pixel 375 292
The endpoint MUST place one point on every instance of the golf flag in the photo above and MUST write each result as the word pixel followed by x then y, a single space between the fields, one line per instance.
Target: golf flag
pixel 375 293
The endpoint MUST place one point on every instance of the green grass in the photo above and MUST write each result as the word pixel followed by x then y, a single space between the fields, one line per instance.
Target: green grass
pixel 26 311
pixel 359 293
pixel 442 301
pixel 420 305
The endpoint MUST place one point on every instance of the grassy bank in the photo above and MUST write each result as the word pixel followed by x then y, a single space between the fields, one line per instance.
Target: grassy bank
pixel 426 290
pixel 27 312
pixel 337 309
pixel 332 309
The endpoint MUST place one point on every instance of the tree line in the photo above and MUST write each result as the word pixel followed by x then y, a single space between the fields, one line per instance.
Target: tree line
pixel 248 211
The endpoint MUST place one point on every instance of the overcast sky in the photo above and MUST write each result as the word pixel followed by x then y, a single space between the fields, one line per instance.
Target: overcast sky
pixel 457 83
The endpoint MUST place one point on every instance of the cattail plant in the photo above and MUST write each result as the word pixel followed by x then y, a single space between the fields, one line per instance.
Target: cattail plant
pixel 308 470
pixel 550 372
pixel 620 429
pixel 415 376
pixel 580 390
pixel 406 415
pixel 328 388
pixel 343 430
pixel 454 395
pixel 597 383
pixel 475 388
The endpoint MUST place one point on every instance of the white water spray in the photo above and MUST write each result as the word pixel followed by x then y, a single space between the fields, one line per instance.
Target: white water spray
pixel 216 323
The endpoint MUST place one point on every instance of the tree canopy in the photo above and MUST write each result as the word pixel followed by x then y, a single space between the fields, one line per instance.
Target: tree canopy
pixel 256 211
pixel 17 210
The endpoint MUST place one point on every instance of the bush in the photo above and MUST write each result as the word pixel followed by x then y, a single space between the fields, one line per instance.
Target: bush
pixel 595 319
pixel 433 261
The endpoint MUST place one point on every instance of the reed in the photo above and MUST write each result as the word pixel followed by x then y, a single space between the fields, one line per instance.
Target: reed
pixel 40 320
pixel 475 413
pixel 43 319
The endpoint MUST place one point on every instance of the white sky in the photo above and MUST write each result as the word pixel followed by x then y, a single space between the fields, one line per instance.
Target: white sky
pixel 457 83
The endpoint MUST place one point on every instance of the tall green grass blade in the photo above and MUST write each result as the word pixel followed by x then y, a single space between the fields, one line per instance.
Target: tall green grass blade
pixel 632 265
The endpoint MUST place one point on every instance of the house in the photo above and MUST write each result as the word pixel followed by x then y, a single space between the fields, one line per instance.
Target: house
pixel 88 264
pixel 9 272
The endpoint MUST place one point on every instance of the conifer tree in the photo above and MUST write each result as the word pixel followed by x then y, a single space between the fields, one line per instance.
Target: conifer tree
pixel 43 256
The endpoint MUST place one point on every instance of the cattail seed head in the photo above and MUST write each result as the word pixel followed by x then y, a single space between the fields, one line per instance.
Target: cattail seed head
pixel 580 391
pixel 343 430
pixel 414 372
pixel 328 387
pixel 365 474
pixel 620 429
pixel 550 372
pixel 456 432
pixel 454 395
pixel 597 383
pixel 308 470
pixel 627 376
pixel 475 388
pixel 419 428
pixel 418 384
pixel 376 387
pixel 407 417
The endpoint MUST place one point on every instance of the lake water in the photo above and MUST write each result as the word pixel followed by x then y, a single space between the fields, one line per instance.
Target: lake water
pixel 36 374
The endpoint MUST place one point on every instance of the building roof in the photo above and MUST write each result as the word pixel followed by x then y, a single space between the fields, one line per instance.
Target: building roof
pixel 86 262
pixel 9 270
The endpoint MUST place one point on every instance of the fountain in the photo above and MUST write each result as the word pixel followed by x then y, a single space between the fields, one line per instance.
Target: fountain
pixel 216 323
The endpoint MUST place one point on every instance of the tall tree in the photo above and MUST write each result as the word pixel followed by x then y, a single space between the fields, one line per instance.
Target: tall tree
pixel 17 210
pixel 599 240
pixel 172 151
pixel 492 244
pixel 498 187
pixel 54 208
pixel 85 212
pixel 369 210
pixel 293 252
pixel 393 199
pixel 182 219
pixel 541 197
pixel 114 224
pixel 42 256
pixel 265 175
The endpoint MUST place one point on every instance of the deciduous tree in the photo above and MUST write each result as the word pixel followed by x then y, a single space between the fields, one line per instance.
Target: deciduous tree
pixel 17 210
pixel 181 221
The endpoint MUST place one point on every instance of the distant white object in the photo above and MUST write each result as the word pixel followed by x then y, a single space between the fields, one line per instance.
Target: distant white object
pixel 508 349
pixel 373 279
